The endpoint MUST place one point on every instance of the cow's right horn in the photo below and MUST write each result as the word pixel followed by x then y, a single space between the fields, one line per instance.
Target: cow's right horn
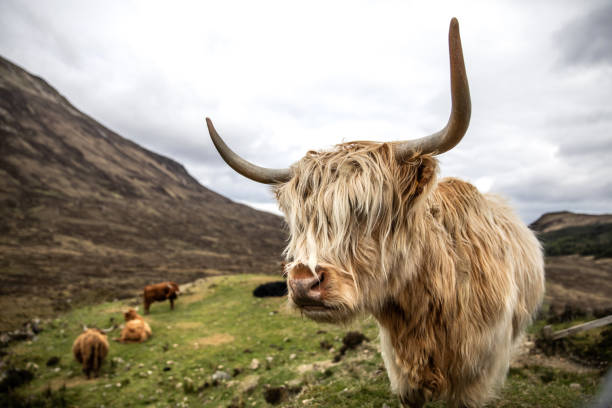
pixel 461 109
pixel 249 170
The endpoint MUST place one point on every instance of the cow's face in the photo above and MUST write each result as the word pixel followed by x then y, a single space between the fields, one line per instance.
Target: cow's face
pixel 130 315
pixel 172 290
pixel 99 331
pixel 344 209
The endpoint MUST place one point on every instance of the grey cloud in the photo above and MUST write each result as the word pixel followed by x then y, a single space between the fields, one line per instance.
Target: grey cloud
pixel 586 40
pixel 558 188
pixel 230 184
pixel 588 148
pixel 585 135
pixel 329 101
pixel 34 27
pixel 594 116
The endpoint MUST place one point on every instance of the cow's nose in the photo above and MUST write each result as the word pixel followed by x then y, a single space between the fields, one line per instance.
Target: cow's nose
pixel 306 287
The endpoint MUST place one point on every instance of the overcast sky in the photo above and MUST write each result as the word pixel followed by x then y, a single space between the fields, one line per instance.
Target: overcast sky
pixel 280 78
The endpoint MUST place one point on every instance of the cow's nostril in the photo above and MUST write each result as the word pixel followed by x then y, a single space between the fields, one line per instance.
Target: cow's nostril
pixel 316 286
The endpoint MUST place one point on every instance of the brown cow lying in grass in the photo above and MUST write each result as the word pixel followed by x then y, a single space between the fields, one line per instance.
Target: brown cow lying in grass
pixel 159 293
pixel 136 330
pixel 89 349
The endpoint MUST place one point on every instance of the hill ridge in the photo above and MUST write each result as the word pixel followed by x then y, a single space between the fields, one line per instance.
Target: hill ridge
pixel 557 220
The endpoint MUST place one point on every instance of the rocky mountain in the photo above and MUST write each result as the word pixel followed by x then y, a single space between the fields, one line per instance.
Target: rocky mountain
pixel 87 214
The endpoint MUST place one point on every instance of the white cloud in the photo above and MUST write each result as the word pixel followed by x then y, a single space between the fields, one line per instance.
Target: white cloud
pixel 484 184
pixel 269 207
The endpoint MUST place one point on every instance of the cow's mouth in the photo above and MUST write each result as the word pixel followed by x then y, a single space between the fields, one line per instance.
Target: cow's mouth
pixel 324 313
pixel 318 308
pixel 307 304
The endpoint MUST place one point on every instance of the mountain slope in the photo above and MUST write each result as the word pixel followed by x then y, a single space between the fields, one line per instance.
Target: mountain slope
pixel 87 214
pixel 578 261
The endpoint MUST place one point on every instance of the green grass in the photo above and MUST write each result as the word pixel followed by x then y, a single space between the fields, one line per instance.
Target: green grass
pixel 582 240
pixel 219 325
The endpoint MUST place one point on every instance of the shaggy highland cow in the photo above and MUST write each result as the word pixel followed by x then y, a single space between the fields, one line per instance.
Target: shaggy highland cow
pixel 89 349
pixel 452 276
pixel 136 330
pixel 159 293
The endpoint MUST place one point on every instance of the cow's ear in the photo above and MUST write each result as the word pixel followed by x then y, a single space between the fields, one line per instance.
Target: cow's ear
pixel 417 175
pixel 426 174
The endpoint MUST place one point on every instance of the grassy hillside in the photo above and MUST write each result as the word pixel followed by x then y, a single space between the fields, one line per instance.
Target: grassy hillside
pixel 593 240
pixel 218 325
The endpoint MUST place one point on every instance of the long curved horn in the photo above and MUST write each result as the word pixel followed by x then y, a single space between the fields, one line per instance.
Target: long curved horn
pixel 249 170
pixel 461 110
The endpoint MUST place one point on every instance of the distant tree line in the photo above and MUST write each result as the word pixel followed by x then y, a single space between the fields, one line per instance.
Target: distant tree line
pixel 593 240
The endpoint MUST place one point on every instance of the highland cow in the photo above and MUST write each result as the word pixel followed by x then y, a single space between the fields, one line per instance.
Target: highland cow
pixel 159 293
pixel 452 276
pixel 136 330
pixel 89 349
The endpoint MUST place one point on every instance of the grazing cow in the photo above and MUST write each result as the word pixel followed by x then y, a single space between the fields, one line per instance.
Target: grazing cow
pixel 136 330
pixel 159 293
pixel 452 276
pixel 271 289
pixel 89 349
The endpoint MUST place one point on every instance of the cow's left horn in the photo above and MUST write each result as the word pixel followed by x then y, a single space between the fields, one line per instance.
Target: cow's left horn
pixel 256 173
pixel 461 110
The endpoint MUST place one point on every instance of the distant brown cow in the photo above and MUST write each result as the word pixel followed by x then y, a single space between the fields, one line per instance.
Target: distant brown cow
pixel 159 293
pixel 89 349
pixel 136 330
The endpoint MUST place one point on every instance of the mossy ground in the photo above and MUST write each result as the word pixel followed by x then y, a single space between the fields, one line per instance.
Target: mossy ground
pixel 218 325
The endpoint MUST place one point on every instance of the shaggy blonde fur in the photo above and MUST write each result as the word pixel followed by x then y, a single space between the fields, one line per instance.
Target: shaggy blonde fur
pixel 89 349
pixel 452 276
pixel 136 330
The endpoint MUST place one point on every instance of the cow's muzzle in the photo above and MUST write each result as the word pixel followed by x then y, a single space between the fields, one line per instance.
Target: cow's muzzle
pixel 307 290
